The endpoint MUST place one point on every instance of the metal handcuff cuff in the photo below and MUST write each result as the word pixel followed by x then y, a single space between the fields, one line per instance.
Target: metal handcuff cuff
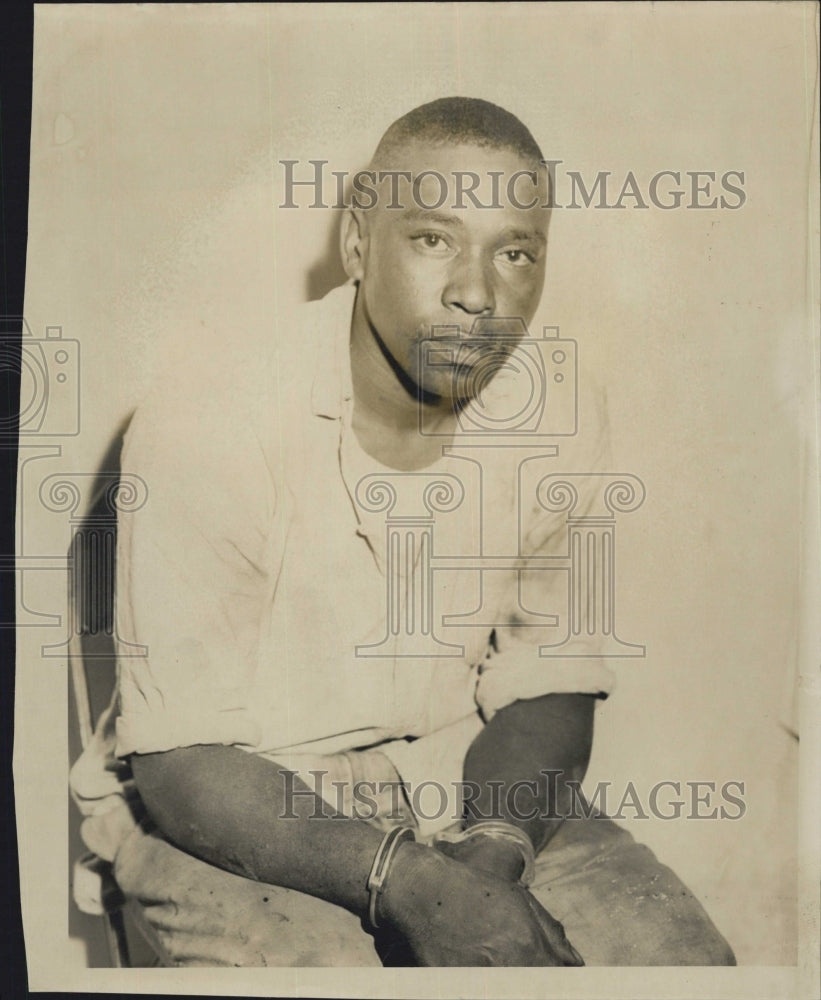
pixel 498 830
pixel 494 829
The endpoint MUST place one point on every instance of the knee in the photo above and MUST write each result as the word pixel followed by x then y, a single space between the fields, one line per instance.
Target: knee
pixel 691 938
pixel 669 925
pixel 712 949
pixel 702 947
pixel 726 957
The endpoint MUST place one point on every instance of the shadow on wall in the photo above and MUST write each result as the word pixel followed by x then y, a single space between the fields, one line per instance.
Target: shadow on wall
pixel 93 612
pixel 327 272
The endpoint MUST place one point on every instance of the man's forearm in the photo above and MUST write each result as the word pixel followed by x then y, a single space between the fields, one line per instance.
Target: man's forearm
pixel 232 809
pixel 553 733
pixel 235 810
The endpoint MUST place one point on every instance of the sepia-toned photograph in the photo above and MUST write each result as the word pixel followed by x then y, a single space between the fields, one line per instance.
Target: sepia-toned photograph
pixel 417 521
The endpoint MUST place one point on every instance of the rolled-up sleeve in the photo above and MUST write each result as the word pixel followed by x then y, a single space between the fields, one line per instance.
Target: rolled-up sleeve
pixel 193 567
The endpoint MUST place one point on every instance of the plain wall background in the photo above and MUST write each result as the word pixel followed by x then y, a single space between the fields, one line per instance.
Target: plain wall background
pixel 153 228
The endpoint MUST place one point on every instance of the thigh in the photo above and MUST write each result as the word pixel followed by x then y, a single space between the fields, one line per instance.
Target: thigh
pixel 196 914
pixel 619 905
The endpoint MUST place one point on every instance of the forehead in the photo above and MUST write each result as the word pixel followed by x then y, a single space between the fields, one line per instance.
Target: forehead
pixel 465 180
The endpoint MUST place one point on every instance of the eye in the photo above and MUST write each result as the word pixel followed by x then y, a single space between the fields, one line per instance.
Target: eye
pixel 517 257
pixel 434 242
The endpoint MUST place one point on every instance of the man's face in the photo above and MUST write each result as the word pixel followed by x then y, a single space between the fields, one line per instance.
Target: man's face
pixel 424 268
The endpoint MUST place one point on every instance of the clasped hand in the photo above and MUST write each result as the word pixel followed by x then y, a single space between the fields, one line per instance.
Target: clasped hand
pixel 452 911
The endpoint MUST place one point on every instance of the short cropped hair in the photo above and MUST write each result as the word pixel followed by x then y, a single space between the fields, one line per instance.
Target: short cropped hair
pixel 459 120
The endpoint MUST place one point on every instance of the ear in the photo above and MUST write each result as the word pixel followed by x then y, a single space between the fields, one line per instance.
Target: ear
pixel 353 243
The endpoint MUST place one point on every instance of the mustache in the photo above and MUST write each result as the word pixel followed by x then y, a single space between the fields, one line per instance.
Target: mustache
pixel 483 329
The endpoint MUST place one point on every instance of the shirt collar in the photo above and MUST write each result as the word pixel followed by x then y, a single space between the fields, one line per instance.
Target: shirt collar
pixel 332 386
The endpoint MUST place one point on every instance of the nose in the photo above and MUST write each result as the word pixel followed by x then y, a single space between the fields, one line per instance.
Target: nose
pixel 470 288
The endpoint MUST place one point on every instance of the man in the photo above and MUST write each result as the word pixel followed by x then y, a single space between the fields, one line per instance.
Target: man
pixel 256 576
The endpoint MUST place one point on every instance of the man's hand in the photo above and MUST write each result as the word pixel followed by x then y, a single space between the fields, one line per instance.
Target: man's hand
pixel 501 858
pixel 452 915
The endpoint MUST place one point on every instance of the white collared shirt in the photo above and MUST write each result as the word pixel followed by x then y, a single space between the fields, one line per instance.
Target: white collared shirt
pixel 261 583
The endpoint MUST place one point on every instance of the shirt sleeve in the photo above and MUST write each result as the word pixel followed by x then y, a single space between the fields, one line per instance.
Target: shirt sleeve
pixel 193 571
pixel 516 670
